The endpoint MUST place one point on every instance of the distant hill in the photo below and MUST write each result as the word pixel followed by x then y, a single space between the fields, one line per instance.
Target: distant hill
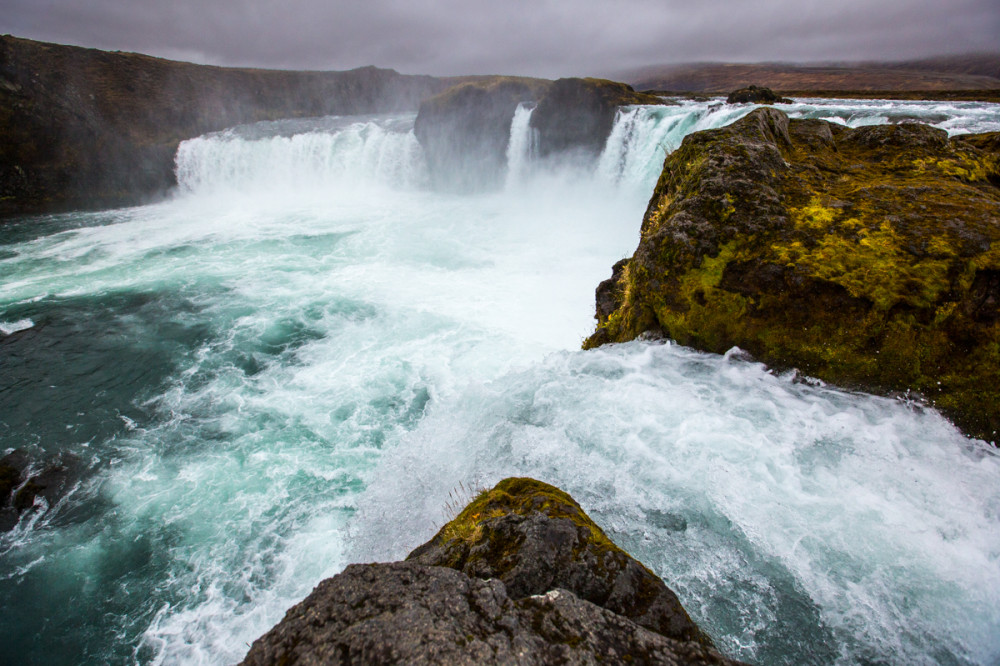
pixel 968 72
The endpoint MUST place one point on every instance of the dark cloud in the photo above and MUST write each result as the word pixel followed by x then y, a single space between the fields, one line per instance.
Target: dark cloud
pixel 540 37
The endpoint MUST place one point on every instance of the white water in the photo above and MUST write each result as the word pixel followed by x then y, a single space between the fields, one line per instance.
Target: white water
pixel 341 349
pixel 522 146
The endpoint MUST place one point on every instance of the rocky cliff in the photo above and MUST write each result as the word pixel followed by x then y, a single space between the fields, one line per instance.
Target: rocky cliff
pixel 866 257
pixel 82 128
pixel 522 575
pixel 465 130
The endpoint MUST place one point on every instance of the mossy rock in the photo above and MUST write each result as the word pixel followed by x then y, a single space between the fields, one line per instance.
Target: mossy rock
pixel 535 538
pixel 868 257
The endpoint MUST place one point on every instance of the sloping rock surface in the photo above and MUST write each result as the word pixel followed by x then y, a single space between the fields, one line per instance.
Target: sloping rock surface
pixel 88 128
pixel 493 602
pixel 866 257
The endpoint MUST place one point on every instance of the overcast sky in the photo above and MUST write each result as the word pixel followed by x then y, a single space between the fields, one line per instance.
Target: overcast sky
pixel 537 37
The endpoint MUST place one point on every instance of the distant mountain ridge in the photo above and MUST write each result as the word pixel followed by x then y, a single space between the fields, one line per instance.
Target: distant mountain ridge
pixel 966 72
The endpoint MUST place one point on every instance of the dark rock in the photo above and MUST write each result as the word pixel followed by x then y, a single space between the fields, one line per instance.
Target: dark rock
pixel 82 128
pixel 465 130
pixel 578 114
pixel 535 538
pixel 521 576
pixel 407 613
pixel 22 482
pixel 865 257
pixel 756 95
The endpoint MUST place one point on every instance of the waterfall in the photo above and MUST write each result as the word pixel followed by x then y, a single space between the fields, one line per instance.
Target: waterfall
pixel 302 154
pixel 522 147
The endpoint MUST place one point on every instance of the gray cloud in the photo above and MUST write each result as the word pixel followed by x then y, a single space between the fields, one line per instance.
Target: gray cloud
pixel 538 37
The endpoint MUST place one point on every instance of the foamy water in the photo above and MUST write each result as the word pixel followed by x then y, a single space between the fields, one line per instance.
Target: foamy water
pixel 287 368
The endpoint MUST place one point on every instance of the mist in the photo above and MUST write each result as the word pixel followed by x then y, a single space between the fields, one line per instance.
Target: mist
pixel 544 38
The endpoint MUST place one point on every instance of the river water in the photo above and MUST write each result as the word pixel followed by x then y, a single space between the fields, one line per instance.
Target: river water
pixel 291 364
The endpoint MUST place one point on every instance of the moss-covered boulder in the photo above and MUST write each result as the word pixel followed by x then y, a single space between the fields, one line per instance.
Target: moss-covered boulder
pixel 535 538
pixel 464 131
pixel 578 114
pixel 520 576
pixel 866 257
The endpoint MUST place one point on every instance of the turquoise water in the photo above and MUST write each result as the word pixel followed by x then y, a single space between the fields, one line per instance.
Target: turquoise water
pixel 289 365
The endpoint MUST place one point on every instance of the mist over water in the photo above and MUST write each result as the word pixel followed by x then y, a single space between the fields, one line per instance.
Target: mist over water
pixel 287 368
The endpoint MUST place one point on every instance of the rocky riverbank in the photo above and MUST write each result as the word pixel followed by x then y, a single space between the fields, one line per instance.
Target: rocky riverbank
pixel 522 575
pixel 866 257
pixel 83 128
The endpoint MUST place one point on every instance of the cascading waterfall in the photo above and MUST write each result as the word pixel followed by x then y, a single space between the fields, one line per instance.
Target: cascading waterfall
pixel 522 146
pixel 254 388
pixel 356 152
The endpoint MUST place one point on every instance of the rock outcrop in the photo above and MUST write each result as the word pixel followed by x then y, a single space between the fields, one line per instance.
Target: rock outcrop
pixel 521 576
pixel 866 257
pixel 82 128
pixel 578 114
pixel 465 130
pixel 755 95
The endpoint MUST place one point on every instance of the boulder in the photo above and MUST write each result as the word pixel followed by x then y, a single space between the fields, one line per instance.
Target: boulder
pixel 868 257
pixel 756 95
pixel 522 575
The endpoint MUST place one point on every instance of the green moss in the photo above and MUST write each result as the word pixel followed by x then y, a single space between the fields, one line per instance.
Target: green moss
pixel 519 496
pixel 858 256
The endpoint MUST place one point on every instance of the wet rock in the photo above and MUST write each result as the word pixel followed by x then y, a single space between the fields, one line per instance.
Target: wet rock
pixel 521 576
pixel 756 95
pixel 864 257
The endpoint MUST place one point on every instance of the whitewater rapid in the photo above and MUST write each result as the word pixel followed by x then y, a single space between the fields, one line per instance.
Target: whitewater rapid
pixel 287 368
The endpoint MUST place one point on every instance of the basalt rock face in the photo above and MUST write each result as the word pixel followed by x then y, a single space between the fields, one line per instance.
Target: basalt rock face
pixel 478 594
pixel 578 114
pixel 866 257
pixel 464 131
pixel 755 95
pixel 82 128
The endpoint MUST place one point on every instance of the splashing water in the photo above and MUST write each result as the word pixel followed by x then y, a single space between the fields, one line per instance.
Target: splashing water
pixel 289 366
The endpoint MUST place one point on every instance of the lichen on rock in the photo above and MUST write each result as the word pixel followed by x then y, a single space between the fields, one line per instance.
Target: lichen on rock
pixel 867 257
pixel 522 575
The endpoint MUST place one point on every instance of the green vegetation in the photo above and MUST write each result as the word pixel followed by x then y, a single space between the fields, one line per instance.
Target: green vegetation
pixel 869 257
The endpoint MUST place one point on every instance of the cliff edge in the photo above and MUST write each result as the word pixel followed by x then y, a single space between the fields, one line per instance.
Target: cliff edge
pixel 866 257
pixel 522 575
pixel 83 128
